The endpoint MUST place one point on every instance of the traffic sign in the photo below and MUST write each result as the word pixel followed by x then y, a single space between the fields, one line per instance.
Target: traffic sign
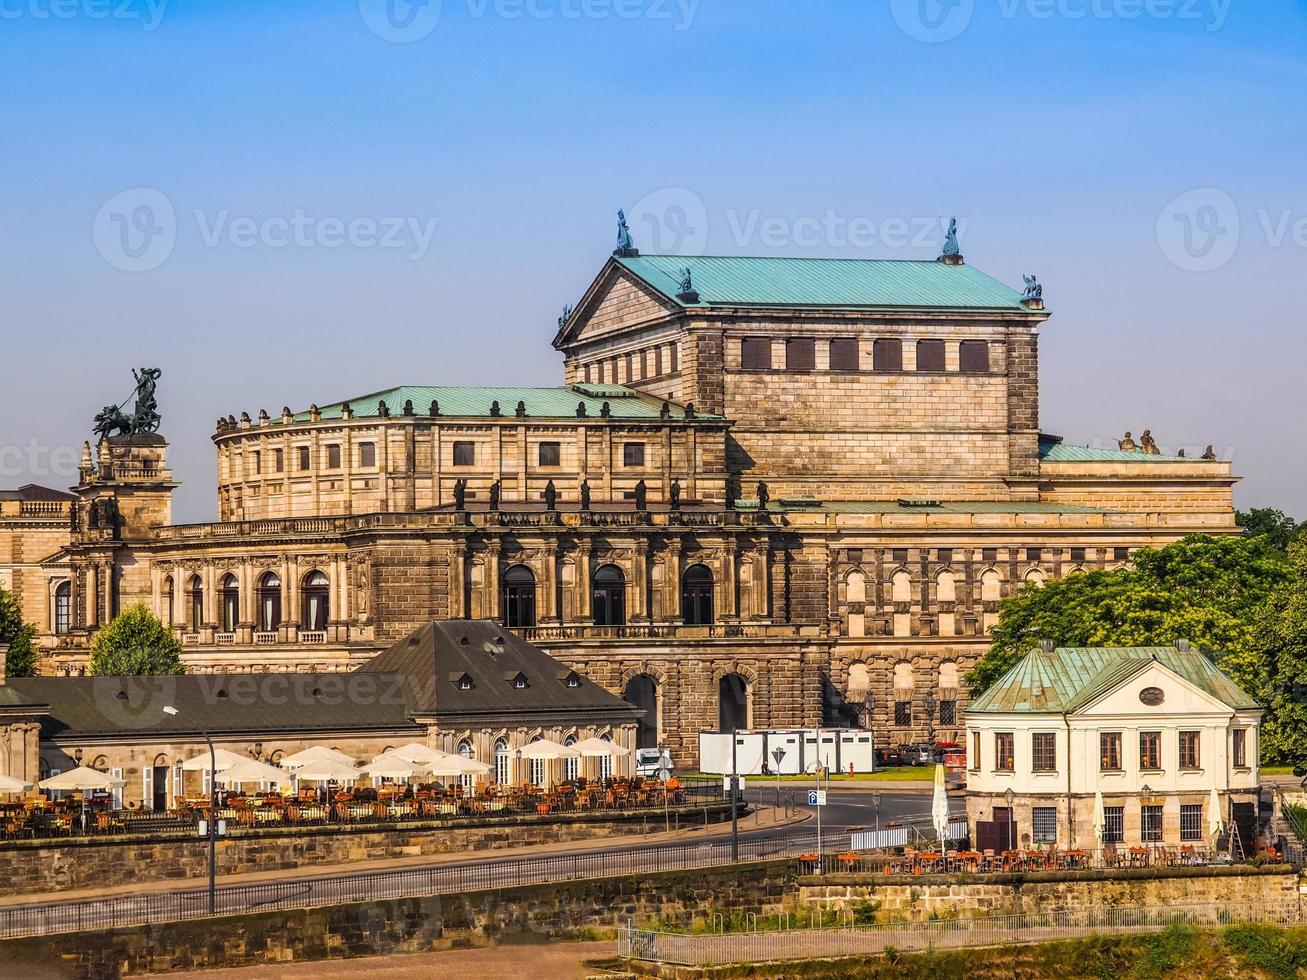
pixel 816 797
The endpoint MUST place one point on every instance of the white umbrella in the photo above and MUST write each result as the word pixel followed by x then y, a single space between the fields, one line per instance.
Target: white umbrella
pixel 251 771
pixel 8 784
pixel 80 778
pixel 599 747
pixel 326 769
pixel 546 749
pixel 392 767
pixel 415 752
pixel 224 759
pixel 1214 822
pixel 1100 817
pixel 455 765
pixel 939 805
pixel 315 753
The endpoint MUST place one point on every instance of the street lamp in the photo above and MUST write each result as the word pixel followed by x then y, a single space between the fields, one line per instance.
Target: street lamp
pixel 875 802
pixel 931 705
pixel 815 768
pixel 213 814
pixel 1011 797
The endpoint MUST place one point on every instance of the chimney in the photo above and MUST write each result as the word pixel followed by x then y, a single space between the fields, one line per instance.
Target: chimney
pixel 1182 645
pixel 1047 646
pixel 4 656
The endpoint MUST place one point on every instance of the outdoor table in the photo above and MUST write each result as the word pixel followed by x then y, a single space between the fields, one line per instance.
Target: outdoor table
pixel 929 861
pixel 1138 857
pixel 1075 859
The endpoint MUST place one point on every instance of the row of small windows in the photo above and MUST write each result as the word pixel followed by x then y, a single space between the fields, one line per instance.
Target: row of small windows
pixel 549 454
pixel 608 596
pixel 1043 751
pixel 315 602
pixel 366 458
pixel 1043 823
pixel 757 354
pixel 636 366
pixel 944 556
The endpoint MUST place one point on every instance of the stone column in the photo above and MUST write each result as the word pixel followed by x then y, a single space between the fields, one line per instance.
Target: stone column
pixel 549 607
pixel 640 604
pixel 584 603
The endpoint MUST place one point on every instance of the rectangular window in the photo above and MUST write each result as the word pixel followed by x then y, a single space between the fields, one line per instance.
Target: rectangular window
pixel 644 364
pixel 633 454
pixel 1191 821
pixel 256 462
pixel 630 367
pixel 755 353
pixel 367 454
pixel 903 714
pixel 305 462
pixel 465 454
pixel 900 556
pixel 1120 554
pixel 989 554
pixel 1109 751
pixel 1004 751
pixel 279 460
pixel 800 355
pixel 973 357
pixel 944 556
pixel 1189 750
pixel 673 353
pixel 948 713
pixel 586 374
pixel 1077 555
pixel 658 361
pixel 1150 824
pixel 1043 751
pixel 843 355
pixel 1113 824
pixel 887 356
pixel 1034 554
pixel 1043 824
pixel 975 751
pixel 549 454
pixel 930 355
pixel 333 457
pixel 1240 748
pixel 1150 750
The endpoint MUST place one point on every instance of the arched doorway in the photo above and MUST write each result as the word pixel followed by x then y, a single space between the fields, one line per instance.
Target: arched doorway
pixel 269 602
pixel 732 703
pixel 229 595
pixel 641 691
pixel 696 596
pixel 316 602
pixel 609 596
pixel 519 598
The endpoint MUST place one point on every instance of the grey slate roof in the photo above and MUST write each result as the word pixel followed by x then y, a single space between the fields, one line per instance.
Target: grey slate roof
pixel 1069 678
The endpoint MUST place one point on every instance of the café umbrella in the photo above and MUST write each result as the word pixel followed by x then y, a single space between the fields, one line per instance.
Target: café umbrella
pixel 222 761
pixel 599 748
pixel 326 770
pixel 82 778
pixel 546 749
pixel 1214 822
pixel 8 784
pixel 455 765
pixel 415 752
pixel 1100 817
pixel 939 805
pixel 316 753
pixel 251 771
pixel 392 767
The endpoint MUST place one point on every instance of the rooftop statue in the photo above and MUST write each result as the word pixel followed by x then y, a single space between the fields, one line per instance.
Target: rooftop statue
pixel 624 241
pixel 685 279
pixel 1148 445
pixel 1127 444
pixel 1033 289
pixel 951 246
pixel 1209 452
pixel 146 410
pixel 567 315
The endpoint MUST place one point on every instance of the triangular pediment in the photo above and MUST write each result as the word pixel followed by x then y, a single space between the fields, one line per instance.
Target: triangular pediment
pixel 617 301
pixel 1153 689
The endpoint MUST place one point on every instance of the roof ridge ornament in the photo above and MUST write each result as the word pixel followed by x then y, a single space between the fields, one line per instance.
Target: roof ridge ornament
pixel 686 292
pixel 1033 296
pixel 567 315
pixel 951 254
pixel 625 243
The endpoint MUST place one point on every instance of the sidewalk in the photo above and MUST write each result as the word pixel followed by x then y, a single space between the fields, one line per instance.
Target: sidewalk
pixel 764 818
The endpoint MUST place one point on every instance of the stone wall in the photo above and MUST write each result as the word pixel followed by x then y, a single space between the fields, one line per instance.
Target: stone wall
pixel 29 868
pixel 1271 888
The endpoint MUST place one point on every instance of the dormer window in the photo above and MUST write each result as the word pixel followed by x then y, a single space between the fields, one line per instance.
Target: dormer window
pixel 516 678
pixel 570 678
pixel 465 683
pixel 519 682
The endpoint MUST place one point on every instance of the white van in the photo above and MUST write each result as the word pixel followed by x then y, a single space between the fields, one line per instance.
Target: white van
pixel 649 762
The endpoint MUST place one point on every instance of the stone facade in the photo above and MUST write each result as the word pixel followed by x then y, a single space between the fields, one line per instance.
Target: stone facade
pixel 904 504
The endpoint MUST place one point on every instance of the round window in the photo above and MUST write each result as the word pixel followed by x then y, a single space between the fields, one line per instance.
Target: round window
pixel 1152 696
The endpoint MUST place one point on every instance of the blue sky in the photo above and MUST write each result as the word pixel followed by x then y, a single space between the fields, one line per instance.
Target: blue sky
pixel 454 187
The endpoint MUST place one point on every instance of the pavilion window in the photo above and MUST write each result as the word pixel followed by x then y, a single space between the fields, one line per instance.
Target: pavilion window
pixel 195 597
pixel 887 356
pixel 1109 751
pixel 1150 750
pixel 800 354
pixel 502 762
pixel 609 596
pixel 1043 751
pixel 755 354
pixel 973 357
pixel 316 605
pixel 1240 748
pixel 930 355
pixel 1113 824
pixel 1191 821
pixel 1189 755
pixel 1004 752
pixel 1150 824
pixel 844 354
pixel 1043 824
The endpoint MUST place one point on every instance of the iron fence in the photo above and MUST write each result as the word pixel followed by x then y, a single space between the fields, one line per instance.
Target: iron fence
pixel 760 945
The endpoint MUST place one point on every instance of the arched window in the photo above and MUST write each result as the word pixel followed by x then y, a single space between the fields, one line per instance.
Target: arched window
pixel 859 680
pixel 696 596
pixel 946 589
pixel 195 599
pixel 732 703
pixel 903 677
pixel 901 587
pixel 537 769
pixel 269 602
pixel 609 596
pixel 641 691
pixel 229 593
pixel 519 598
pixel 572 766
pixel 63 607
pixel 316 605
pixel 948 675
pixel 856 587
pixel 991 585
pixel 166 602
pixel 1035 577
pixel 606 761
pixel 502 761
pixel 467 752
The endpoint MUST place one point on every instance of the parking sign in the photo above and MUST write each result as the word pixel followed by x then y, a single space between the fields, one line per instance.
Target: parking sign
pixel 816 797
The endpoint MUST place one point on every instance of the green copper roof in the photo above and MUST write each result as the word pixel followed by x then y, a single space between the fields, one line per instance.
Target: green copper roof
pixel 1056 451
pixel 888 283
pixel 1069 678
pixel 549 403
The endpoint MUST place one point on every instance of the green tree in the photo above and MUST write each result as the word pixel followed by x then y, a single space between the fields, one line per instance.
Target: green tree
pixel 136 644
pixel 1204 589
pixel 1281 631
pixel 1277 527
pixel 21 660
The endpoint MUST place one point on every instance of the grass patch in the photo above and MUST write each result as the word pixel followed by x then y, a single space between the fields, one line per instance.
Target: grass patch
pixel 1277 770
pixel 904 773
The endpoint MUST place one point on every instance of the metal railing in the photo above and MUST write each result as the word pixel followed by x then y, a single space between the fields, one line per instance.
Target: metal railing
pixel 144 908
pixel 758 946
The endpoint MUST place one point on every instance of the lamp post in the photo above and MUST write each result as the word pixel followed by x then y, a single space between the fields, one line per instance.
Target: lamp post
pixel 213 814
pixel 868 722
pixel 1010 796
pixel 931 705
pixel 735 797
pixel 875 802
pixel 778 754
pixel 815 767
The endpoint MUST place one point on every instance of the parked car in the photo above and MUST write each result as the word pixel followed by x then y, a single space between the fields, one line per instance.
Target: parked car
pixel 888 757
pixel 917 754
pixel 648 762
